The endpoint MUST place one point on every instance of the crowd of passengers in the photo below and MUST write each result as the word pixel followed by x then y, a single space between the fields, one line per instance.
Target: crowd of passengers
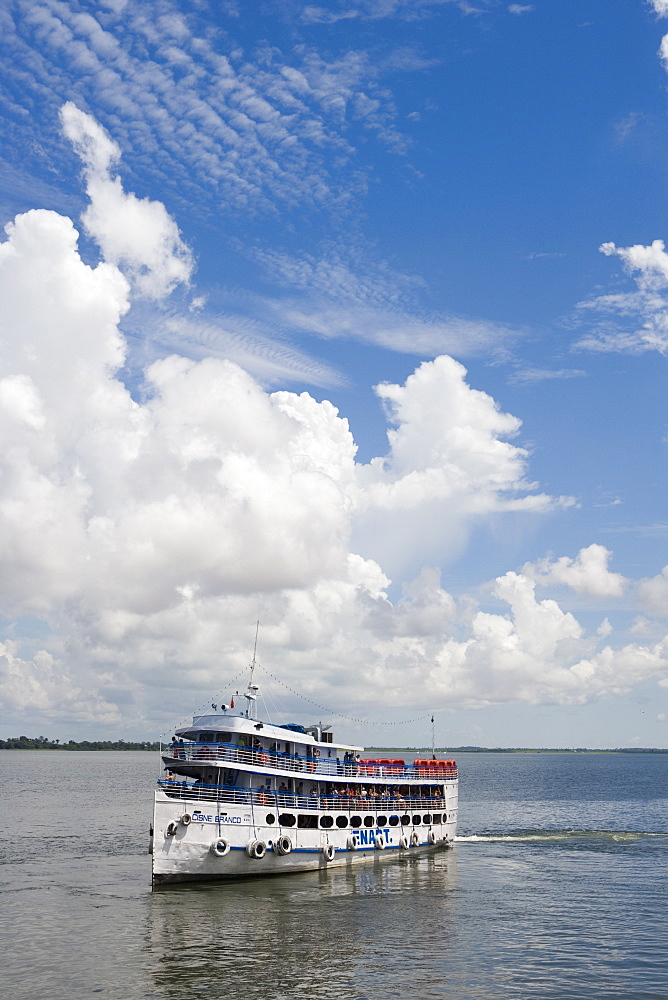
pixel 325 796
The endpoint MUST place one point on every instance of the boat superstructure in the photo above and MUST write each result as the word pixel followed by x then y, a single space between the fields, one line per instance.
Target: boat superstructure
pixel 242 797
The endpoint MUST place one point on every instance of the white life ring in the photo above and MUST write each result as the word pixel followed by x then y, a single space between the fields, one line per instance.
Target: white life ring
pixel 352 844
pixel 283 845
pixel 171 829
pixel 403 842
pixel 415 840
pixel 256 849
pixel 379 843
pixel 220 847
pixel 328 852
pixel 186 819
pixel 431 837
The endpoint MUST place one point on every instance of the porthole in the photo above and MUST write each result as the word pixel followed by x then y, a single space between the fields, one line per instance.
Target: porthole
pixel 417 820
pixel 437 818
pixel 394 821
pixel 342 822
pixel 355 820
pixel 326 822
pixel 405 819
pixel 287 819
pixel 270 819
pixel 426 819
pixel 369 821
pixel 381 821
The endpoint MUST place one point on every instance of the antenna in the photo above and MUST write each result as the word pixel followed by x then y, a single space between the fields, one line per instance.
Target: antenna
pixel 433 739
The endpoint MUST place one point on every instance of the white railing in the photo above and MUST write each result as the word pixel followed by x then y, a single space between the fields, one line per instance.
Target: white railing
pixel 280 801
pixel 201 753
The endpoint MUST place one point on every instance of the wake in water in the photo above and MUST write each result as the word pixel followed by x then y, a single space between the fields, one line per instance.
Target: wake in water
pixel 524 836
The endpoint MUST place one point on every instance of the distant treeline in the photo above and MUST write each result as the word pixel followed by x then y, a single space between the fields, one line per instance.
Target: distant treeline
pixel 43 743
pixel 455 750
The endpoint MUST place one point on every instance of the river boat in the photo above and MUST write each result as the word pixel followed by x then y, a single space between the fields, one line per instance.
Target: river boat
pixel 241 797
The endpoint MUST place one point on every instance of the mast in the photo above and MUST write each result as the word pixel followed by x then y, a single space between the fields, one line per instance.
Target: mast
pixel 252 689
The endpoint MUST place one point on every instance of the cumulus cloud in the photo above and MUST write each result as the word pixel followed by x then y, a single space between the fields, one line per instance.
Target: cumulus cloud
pixel 145 533
pixel 136 234
pixel 587 574
pixel 139 538
pixel 653 594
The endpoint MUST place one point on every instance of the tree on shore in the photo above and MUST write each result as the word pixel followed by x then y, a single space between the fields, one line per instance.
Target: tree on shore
pixel 44 743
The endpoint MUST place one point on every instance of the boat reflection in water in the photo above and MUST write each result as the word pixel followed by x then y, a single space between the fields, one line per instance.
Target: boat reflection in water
pixel 312 935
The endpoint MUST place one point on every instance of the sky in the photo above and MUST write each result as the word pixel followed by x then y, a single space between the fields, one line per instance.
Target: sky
pixel 350 318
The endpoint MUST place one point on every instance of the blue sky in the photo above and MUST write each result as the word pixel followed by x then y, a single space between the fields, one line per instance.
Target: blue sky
pixel 351 317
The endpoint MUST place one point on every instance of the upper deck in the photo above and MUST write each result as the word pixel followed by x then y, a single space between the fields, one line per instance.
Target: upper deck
pixel 189 757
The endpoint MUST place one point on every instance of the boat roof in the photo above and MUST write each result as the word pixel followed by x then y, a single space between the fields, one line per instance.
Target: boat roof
pixel 238 723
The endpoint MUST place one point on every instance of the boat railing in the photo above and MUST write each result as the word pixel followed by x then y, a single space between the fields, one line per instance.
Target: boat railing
pixel 280 801
pixel 260 759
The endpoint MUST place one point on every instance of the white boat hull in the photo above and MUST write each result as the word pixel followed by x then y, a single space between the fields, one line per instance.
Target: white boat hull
pixel 182 851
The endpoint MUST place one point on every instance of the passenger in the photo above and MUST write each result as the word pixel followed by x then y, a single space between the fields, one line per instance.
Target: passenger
pixel 283 787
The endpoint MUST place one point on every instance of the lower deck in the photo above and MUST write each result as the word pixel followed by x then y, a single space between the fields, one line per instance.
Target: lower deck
pixel 237 833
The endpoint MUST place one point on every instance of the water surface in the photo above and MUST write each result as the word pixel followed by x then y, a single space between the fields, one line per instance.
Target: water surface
pixel 556 889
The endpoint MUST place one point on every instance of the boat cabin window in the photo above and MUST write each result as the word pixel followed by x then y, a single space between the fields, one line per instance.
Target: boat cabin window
pixel 306 822
pixel 206 736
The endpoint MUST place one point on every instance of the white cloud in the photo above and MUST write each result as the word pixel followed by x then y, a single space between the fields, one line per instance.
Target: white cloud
pixel 647 306
pixel 520 8
pixel 146 533
pixel 139 539
pixel 653 594
pixel 587 574
pixel 530 376
pixel 447 441
pixel 660 7
pixel 252 129
pixel 136 234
